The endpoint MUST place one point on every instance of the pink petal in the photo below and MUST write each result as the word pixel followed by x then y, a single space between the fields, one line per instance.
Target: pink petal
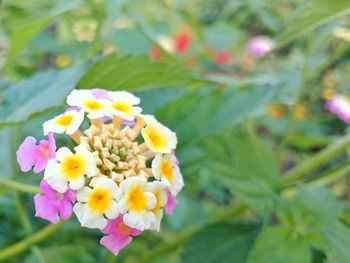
pixel 52 144
pixel 115 243
pixel 27 154
pixel 40 165
pixel 112 225
pixel 129 123
pixel 100 94
pixel 76 108
pixel 171 204
pixel 46 189
pixel 65 208
pixel 44 209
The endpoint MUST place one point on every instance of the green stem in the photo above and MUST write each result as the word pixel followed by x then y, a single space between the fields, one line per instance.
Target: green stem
pixel 316 161
pixel 229 213
pixel 19 186
pixel 332 175
pixel 27 242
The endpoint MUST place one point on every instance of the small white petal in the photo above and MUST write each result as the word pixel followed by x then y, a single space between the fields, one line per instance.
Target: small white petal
pixel 54 178
pixel 139 220
pixel 77 121
pixel 62 153
pixel 83 194
pixel 77 183
pixel 151 200
pixel 113 211
pixel 88 218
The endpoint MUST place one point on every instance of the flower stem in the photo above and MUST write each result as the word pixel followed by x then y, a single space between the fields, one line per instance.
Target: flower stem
pixel 27 242
pixel 316 161
pixel 19 186
pixel 229 213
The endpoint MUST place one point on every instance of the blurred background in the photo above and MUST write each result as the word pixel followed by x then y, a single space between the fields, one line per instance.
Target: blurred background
pixel 242 83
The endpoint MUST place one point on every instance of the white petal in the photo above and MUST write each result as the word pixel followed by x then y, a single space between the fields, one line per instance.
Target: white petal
pixel 178 183
pixel 77 121
pixel 88 218
pixel 123 208
pixel 151 200
pixel 125 96
pixel 158 216
pixel 77 183
pixel 134 180
pixel 156 166
pixel 50 126
pixel 76 97
pixel 83 194
pixel 113 211
pixel 54 178
pixel 62 153
pixel 139 220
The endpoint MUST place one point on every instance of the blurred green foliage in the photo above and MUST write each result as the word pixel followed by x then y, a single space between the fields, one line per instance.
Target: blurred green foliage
pixel 242 125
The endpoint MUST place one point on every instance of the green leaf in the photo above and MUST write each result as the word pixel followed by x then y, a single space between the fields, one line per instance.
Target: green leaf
pixel 313 207
pixel 209 111
pixel 39 93
pixel 338 239
pixel 22 35
pixel 247 167
pixel 131 41
pixel 220 243
pixel 134 73
pixel 63 254
pixel 279 245
pixel 313 14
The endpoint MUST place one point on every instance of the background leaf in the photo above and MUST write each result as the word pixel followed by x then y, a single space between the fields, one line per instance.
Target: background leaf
pixel 278 245
pixel 37 94
pixel 210 111
pixel 227 242
pixel 246 166
pixel 313 14
pixel 134 73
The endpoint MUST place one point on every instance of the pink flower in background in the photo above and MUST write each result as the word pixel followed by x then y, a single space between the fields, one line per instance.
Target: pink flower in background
pixel 171 204
pixel 118 235
pixel 259 46
pixel 51 205
pixel 339 105
pixel 30 154
pixel 222 57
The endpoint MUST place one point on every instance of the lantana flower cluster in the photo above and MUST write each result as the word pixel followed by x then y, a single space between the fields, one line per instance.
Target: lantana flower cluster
pixel 120 177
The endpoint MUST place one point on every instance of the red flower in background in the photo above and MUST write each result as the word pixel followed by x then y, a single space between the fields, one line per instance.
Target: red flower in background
pixel 222 57
pixel 155 53
pixel 183 41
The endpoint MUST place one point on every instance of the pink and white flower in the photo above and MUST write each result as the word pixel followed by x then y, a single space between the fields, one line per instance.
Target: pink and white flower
pixel 340 105
pixel 259 46
pixel 30 154
pixel 118 235
pixel 52 205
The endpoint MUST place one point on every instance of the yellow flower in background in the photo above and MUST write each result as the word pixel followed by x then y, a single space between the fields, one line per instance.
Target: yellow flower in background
pixel 342 33
pixel 300 112
pixel 328 93
pixel 85 30
pixel 276 111
pixel 63 61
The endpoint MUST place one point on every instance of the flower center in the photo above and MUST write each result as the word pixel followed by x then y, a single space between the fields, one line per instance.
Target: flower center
pixel 122 106
pixel 167 171
pixel 156 139
pixel 137 199
pixel 65 120
pixel 93 105
pixel 43 152
pixel 99 200
pixel 73 166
